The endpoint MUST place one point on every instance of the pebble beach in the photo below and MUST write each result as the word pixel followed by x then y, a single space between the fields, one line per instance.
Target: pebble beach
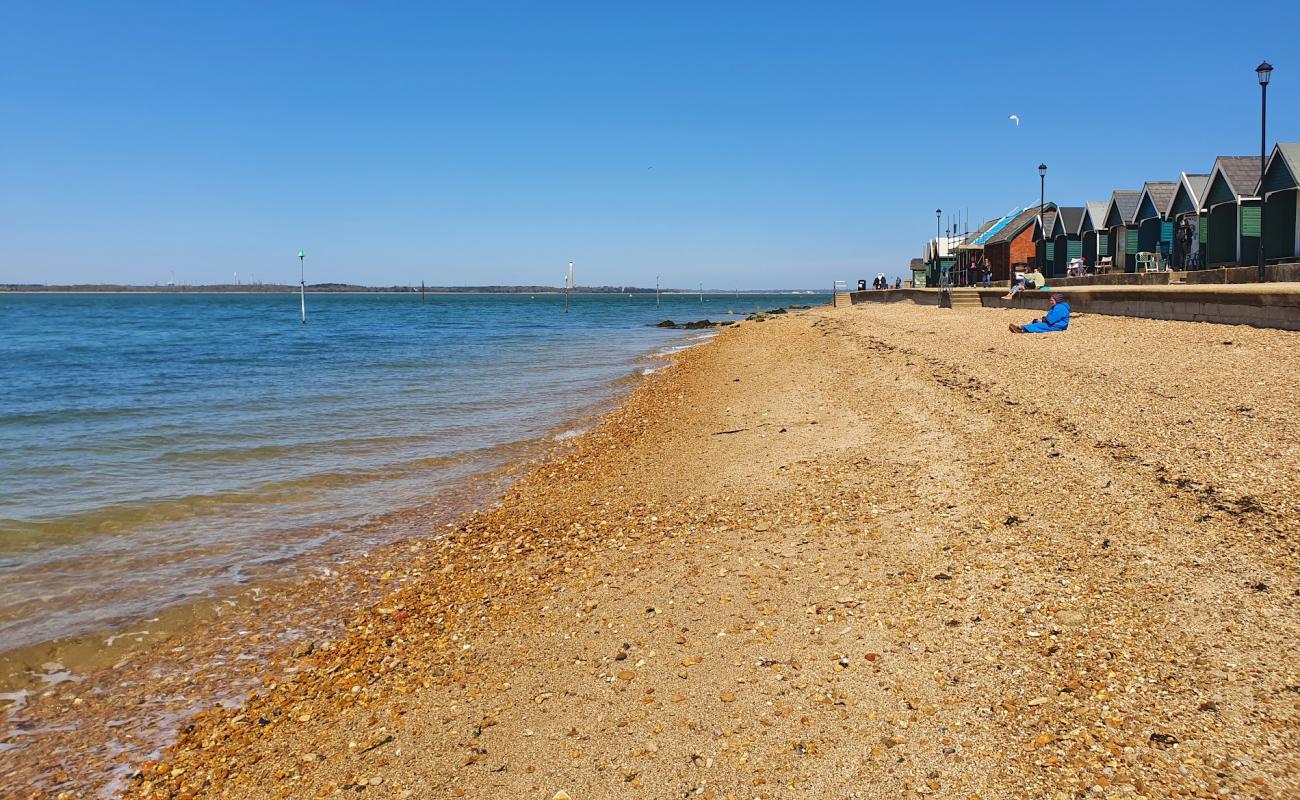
pixel 874 552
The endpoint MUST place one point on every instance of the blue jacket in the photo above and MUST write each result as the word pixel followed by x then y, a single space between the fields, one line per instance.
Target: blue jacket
pixel 1058 317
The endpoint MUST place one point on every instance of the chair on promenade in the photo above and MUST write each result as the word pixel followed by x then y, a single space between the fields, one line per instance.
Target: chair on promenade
pixel 1104 265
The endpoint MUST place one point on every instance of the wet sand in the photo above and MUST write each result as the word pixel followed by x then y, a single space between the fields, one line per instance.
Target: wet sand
pixel 881 551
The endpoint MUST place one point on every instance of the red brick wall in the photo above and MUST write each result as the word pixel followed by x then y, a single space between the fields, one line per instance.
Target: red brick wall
pixel 1002 255
pixel 1023 248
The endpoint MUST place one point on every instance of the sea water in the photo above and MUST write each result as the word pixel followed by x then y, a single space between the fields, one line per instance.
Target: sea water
pixel 156 448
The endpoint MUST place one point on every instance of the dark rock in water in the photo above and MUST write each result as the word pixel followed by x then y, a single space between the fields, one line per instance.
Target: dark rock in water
pixel 777 311
pixel 792 305
pixel 696 325
pixel 667 324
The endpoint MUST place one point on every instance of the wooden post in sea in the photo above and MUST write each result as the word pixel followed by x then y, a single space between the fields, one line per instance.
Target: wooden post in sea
pixel 421 292
pixel 302 285
pixel 656 291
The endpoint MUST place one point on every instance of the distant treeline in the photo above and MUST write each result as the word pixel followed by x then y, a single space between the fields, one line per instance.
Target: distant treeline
pixel 317 287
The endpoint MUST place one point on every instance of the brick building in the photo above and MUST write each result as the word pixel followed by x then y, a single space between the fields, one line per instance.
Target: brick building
pixel 1014 245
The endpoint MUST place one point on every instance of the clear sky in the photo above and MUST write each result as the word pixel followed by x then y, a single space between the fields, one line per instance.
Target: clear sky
pixel 742 145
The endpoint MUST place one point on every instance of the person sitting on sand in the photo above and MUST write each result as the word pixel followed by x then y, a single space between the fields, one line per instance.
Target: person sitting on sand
pixel 1057 318
pixel 1034 279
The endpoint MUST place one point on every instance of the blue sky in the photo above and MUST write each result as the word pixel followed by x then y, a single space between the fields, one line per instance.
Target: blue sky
pixel 742 145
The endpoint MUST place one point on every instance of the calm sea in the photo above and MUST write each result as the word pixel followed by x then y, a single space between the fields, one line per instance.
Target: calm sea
pixel 155 448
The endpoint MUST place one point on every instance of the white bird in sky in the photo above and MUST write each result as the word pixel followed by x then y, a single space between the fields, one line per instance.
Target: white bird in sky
pixel 1015 119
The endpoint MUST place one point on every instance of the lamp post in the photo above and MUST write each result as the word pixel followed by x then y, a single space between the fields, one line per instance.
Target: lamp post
pixel 1042 185
pixel 1264 71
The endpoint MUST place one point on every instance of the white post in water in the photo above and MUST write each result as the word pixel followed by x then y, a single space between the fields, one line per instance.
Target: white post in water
pixel 701 294
pixel 656 291
pixel 302 285
pixel 568 284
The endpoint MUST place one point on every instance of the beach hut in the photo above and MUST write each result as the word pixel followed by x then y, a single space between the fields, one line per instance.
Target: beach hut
pixel 1184 212
pixel 1044 244
pixel 1065 240
pixel 917 266
pixel 1155 232
pixel 1281 206
pixel 1232 211
pixel 1121 230
pixel 1093 238
pixel 1011 244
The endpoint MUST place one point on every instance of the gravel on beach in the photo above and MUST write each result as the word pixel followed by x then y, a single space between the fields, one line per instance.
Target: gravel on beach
pixel 876 552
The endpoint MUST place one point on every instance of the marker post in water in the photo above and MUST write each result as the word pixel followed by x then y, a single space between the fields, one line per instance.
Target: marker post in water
pixel 568 284
pixel 656 291
pixel 302 285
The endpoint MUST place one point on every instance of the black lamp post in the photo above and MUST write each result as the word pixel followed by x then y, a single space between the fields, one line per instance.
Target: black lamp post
pixel 1042 184
pixel 1264 71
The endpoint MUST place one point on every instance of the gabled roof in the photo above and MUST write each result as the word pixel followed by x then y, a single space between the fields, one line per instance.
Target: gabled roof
pixel 996 227
pixel 1155 199
pixel 1233 179
pixel 1122 206
pixel 1017 225
pixel 1187 195
pixel 1049 222
pixel 1068 220
pixel 1094 215
pixel 1283 170
pixel 972 239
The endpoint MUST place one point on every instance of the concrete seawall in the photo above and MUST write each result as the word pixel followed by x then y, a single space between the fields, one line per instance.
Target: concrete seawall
pixel 1262 306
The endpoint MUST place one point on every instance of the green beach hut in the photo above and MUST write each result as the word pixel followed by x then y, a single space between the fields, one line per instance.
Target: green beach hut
pixel 1155 232
pixel 1093 238
pixel 1282 203
pixel 1065 239
pixel 1232 211
pixel 1121 229
pixel 1184 212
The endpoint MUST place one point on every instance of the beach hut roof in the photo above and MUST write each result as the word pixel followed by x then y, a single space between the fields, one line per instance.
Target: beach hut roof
pixel 1234 178
pixel 1190 186
pixel 917 265
pixel 971 242
pixel 995 228
pixel 1156 196
pixel 1068 220
pixel 1047 230
pixel 1122 207
pixel 1013 227
pixel 1283 170
pixel 1094 214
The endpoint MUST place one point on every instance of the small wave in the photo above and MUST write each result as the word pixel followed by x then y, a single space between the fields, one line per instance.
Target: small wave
pixel 569 434
pixel 650 370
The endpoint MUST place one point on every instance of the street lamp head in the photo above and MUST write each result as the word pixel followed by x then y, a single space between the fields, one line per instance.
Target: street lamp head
pixel 1042 169
pixel 1264 71
pixel 938 211
pixel 301 254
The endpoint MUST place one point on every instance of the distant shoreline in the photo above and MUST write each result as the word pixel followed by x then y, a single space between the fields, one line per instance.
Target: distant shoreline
pixel 354 289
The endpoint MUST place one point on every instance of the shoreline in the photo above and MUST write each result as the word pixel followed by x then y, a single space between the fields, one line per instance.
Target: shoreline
pixel 860 550
pixel 104 672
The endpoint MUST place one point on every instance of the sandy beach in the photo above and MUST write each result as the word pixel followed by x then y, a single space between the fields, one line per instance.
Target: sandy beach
pixel 876 552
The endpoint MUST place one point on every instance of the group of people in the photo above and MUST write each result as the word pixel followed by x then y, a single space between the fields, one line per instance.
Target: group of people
pixel 881 282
